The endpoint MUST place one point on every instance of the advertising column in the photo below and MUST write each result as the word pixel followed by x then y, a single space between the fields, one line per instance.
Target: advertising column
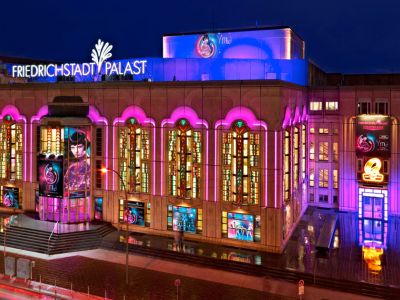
pixel 373 153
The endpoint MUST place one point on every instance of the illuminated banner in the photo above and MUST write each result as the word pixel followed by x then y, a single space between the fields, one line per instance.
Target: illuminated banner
pixel 135 213
pixel 241 227
pixel 77 167
pixel 184 218
pixel 10 196
pixel 373 136
pixel 279 43
pixel 99 65
pixel 50 173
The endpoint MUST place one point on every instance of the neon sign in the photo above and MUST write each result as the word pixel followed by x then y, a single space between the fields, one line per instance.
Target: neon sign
pixel 99 65
pixel 372 170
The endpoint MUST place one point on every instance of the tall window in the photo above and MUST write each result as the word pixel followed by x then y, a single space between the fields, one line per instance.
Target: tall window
pixel 335 148
pixel 286 166
pixel 10 149
pixel 312 178
pixel 323 151
pixel 312 150
pixel 184 160
pixel 382 107
pixel 335 179
pixel 364 107
pixel 241 165
pixel 323 178
pixel 134 156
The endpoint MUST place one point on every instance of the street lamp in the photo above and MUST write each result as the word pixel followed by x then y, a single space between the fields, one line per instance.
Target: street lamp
pixel 104 170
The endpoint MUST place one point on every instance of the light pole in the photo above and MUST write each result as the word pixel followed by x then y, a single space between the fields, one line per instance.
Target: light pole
pixel 104 171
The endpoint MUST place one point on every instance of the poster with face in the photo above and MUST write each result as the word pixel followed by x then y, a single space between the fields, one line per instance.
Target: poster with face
pixel 373 136
pixel 50 173
pixel 77 166
pixel 10 196
pixel 241 227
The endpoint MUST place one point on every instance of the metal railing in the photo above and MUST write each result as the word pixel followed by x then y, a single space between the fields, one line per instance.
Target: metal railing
pixel 51 234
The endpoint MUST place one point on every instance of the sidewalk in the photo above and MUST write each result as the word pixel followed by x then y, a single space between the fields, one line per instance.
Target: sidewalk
pixel 270 288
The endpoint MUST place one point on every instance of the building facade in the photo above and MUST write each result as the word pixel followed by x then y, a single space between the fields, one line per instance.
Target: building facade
pixel 227 141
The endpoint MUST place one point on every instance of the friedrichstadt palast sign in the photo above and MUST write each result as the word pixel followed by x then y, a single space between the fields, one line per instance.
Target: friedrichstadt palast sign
pixel 98 66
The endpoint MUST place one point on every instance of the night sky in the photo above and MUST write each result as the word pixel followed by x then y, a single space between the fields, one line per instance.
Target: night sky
pixel 349 36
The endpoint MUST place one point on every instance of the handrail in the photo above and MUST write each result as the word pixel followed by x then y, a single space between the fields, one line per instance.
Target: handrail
pixel 51 234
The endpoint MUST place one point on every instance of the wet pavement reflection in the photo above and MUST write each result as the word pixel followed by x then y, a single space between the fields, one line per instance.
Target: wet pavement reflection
pixel 345 261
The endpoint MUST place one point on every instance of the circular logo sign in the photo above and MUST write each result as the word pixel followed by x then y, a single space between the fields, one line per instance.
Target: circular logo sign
pixel 205 46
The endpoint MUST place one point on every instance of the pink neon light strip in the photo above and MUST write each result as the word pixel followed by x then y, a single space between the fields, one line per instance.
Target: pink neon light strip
pixel 14 113
pixel 276 171
pixel 189 114
pixel 139 114
pixel 245 114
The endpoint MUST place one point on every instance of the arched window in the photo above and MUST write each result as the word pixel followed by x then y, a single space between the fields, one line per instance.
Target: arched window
pixel 10 149
pixel 241 165
pixel 134 156
pixel 184 160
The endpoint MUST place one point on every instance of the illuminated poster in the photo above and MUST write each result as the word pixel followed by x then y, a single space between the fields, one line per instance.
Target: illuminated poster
pixel 10 196
pixel 184 218
pixel 77 167
pixel 280 43
pixel 135 213
pixel 50 173
pixel 241 227
pixel 373 136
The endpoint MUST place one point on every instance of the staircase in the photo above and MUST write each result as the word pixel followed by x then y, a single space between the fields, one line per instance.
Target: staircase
pixel 54 243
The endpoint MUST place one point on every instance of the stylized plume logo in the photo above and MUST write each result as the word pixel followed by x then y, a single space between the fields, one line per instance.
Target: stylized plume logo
pixel 101 53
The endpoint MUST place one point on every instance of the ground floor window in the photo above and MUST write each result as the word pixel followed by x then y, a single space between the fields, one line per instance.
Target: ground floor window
pixel 98 208
pixel 135 212
pixel 187 219
pixel 244 227
pixel 10 197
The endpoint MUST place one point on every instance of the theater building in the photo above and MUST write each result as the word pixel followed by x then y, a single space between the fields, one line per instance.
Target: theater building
pixel 228 137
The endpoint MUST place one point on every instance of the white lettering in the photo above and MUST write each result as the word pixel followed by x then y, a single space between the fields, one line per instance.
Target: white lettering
pixel 14 70
pixel 108 67
pixel 128 68
pixel 58 70
pixel 47 71
pixel 67 71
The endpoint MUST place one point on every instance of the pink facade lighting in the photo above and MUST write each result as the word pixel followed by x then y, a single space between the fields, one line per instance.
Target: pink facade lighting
pixel 276 171
pixel 139 114
pixel 183 112
pixel 245 114
pixel 96 118
pixel 14 113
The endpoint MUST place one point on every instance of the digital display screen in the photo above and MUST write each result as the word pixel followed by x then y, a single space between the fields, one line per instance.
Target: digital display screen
pixel 184 219
pixel 10 196
pixel 241 227
pixel 279 43
pixel 135 213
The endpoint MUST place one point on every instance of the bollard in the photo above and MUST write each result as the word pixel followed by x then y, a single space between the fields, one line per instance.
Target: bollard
pixel 71 287
pixel 105 294
pixel 88 291
pixel 177 284
pixel 55 287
